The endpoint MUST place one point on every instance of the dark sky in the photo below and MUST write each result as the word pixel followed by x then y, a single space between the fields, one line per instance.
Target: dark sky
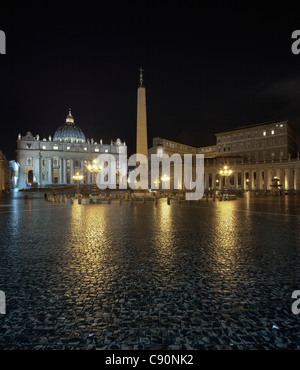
pixel 207 69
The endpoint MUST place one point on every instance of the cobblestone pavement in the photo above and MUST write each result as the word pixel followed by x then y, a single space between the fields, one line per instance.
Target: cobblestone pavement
pixel 217 275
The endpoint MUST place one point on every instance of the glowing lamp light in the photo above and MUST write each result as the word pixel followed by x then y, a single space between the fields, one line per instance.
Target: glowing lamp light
pixel 165 178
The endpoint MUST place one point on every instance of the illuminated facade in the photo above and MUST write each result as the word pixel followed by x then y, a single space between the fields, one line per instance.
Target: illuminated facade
pixel 254 154
pixel 55 161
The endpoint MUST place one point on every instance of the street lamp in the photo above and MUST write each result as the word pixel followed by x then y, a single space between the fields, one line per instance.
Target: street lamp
pixel 77 178
pixel 95 168
pixel 226 173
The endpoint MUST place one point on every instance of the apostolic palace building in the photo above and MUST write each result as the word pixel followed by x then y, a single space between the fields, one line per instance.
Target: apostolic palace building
pixel 255 155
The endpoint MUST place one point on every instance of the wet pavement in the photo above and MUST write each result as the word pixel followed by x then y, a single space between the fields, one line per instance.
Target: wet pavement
pixel 215 275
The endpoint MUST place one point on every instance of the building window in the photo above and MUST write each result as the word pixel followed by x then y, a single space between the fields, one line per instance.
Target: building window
pixel 44 147
pixel 55 162
pixel 264 133
pixel 43 177
pixel 55 147
pixel 106 150
pixel 68 163
pixel 68 147
pixel 29 161
pixel 96 149
pixel 44 163
pixel 85 148
pixel 272 132
pixel 28 146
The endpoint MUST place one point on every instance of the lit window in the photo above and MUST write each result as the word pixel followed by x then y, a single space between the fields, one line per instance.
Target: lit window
pixel 68 147
pixel 44 147
pixel 106 150
pixel 85 149
pixel 264 133
pixel 55 147
pixel 96 149
pixel 272 132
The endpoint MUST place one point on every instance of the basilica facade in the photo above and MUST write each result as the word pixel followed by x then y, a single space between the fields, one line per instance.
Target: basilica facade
pixel 56 160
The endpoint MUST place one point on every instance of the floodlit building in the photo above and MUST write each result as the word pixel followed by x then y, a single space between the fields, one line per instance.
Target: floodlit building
pixel 56 160
pixel 254 154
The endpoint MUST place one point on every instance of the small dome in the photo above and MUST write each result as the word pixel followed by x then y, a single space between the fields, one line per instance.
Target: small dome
pixel 69 132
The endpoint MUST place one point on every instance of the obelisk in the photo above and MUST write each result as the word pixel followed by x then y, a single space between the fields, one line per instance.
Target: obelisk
pixel 141 127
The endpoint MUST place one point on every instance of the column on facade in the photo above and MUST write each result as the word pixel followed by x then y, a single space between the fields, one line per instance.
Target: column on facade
pixel 64 170
pixel 82 171
pixel 71 171
pixel 50 170
pixel 60 172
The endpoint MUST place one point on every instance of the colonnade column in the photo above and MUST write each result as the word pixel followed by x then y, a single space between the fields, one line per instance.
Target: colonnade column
pixel 242 180
pixel 281 178
pixel 213 180
pixel 258 180
pixel 288 178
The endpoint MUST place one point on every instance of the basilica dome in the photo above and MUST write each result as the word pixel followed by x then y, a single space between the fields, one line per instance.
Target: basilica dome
pixel 69 132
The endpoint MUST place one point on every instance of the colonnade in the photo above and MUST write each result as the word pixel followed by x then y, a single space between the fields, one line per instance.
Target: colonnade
pixel 254 177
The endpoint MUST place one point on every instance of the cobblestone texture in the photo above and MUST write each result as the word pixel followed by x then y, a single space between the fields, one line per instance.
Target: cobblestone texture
pixel 217 275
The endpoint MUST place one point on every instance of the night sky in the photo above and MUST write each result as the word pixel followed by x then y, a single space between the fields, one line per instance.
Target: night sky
pixel 207 69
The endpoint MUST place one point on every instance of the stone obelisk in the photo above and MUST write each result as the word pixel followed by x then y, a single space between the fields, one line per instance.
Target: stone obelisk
pixel 141 127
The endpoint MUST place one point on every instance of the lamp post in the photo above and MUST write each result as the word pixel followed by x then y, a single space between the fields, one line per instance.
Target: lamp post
pixel 95 168
pixel 77 178
pixel 226 173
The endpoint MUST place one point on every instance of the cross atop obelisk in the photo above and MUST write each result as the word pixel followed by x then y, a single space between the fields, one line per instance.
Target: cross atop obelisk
pixel 141 76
